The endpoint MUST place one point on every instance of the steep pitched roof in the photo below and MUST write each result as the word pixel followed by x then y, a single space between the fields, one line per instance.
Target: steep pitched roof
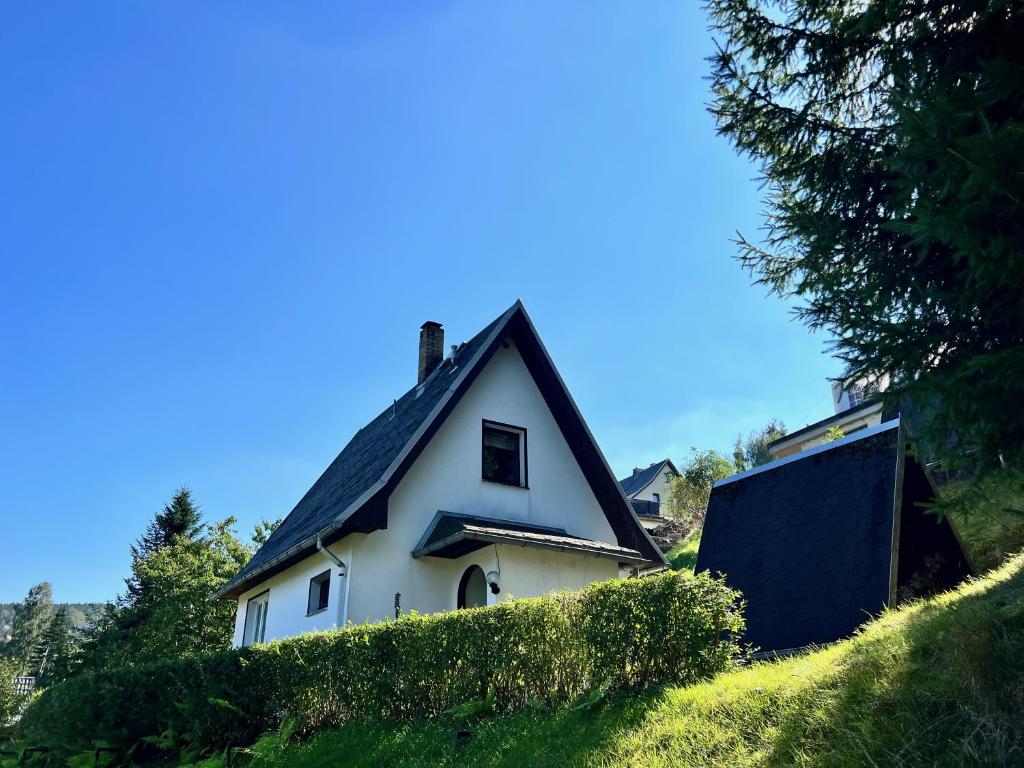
pixel 639 480
pixel 820 540
pixel 351 495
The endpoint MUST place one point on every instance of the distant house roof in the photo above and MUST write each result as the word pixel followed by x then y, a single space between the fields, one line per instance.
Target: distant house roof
pixel 823 424
pixel 452 535
pixel 351 495
pixel 820 540
pixel 641 478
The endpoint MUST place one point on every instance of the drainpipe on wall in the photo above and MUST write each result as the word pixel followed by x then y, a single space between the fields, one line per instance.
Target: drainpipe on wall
pixel 322 549
pixel 342 610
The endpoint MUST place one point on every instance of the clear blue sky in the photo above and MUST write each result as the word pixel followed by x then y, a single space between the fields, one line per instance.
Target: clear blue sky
pixel 222 227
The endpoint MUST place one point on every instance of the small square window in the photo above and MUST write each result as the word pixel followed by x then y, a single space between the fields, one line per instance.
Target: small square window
pixel 504 454
pixel 657 498
pixel 319 592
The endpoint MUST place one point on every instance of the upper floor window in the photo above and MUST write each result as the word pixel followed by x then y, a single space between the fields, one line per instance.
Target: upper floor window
pixel 504 454
pixel 856 395
pixel 319 592
pixel 657 498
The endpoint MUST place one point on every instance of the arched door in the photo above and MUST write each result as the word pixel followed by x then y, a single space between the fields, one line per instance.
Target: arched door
pixel 473 588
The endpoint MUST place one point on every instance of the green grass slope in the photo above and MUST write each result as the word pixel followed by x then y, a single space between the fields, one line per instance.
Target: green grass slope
pixel 936 683
pixel 683 556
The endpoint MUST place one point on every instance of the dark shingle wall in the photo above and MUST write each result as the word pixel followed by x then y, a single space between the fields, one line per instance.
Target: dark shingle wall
pixel 808 543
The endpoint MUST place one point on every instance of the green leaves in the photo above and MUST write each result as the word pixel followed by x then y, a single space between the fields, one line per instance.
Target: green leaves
pixel 615 635
pixel 890 138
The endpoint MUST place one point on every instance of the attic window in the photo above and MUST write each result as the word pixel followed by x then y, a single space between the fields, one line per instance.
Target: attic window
pixel 504 454
pixel 319 592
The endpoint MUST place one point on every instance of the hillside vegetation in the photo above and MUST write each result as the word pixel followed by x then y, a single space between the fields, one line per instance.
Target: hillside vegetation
pixel 938 682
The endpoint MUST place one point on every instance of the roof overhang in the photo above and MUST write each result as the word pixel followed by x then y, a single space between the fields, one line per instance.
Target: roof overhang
pixel 836 420
pixel 451 536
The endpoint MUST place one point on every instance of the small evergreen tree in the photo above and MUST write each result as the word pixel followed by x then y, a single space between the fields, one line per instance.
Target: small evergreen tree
pixel 58 649
pixel 30 621
pixel 166 612
pixel 181 517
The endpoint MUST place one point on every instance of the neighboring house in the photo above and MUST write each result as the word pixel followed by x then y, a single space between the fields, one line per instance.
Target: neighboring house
pixel 819 541
pixel 854 410
pixel 647 488
pixel 481 483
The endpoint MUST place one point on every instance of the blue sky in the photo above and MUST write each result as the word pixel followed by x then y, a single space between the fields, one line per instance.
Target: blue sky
pixel 223 225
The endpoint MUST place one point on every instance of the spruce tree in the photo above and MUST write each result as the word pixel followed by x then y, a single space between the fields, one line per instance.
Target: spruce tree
pixel 181 517
pixel 55 655
pixel 29 624
pixel 890 137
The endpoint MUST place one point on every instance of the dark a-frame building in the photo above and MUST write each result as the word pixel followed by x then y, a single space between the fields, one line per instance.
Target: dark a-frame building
pixel 820 541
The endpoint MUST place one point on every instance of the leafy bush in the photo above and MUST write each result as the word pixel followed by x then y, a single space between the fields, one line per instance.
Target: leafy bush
pixel 9 699
pixel 618 634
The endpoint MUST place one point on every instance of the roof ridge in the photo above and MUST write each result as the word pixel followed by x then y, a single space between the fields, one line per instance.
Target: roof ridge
pixel 860 434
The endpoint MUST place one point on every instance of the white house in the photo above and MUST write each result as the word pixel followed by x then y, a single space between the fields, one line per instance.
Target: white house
pixel 480 484
pixel 855 409
pixel 647 488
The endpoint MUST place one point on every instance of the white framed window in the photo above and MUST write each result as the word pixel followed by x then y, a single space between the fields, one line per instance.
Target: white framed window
pixel 256 618
pixel 319 593
pixel 503 454
pixel 856 395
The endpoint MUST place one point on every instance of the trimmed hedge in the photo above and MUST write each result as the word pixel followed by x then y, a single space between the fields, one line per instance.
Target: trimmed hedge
pixel 621 634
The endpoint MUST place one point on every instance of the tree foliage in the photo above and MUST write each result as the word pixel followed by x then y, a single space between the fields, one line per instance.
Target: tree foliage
pixel 891 142
pixel 57 652
pixel 688 493
pixel 753 452
pixel 165 612
pixel 28 626
pixel 620 634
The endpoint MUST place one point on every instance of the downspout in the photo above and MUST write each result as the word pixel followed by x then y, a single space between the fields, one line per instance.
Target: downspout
pixel 341 615
pixel 322 549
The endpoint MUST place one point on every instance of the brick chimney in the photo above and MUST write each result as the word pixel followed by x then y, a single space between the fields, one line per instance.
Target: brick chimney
pixel 431 349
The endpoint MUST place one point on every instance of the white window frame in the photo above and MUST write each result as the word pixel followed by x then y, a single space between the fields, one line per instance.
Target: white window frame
pixel 255 628
pixel 316 581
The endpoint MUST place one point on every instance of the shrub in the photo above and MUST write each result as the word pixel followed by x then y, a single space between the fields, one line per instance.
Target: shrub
pixel 9 699
pixel 619 635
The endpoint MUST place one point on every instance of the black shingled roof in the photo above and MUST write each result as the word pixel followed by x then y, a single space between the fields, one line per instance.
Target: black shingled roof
pixel 638 481
pixel 351 494
pixel 809 539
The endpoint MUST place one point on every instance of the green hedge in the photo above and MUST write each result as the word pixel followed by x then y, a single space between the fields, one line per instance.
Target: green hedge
pixel 621 634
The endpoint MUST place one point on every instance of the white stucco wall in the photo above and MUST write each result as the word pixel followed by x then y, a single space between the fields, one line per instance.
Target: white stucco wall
pixel 289 595
pixel 447 476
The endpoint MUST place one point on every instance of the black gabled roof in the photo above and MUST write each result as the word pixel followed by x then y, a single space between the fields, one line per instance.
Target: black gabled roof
pixel 351 494
pixel 640 480
pixel 819 541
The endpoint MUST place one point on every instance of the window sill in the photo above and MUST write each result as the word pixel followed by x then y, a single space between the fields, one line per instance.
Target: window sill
pixel 507 485
pixel 314 613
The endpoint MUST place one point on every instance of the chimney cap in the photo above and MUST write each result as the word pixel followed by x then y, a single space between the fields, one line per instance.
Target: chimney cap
pixel 431 324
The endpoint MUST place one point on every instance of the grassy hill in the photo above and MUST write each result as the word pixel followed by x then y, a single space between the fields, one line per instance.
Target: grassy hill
pixel 939 682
